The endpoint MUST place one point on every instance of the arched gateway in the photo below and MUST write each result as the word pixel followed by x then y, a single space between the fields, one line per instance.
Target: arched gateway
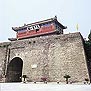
pixel 14 70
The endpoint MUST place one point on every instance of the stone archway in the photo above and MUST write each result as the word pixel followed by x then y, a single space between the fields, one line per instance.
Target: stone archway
pixel 14 70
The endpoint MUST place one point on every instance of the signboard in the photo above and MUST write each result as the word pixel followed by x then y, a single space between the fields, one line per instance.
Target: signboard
pixel 34 27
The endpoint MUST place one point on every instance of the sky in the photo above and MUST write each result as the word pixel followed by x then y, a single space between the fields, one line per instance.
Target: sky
pixel 15 13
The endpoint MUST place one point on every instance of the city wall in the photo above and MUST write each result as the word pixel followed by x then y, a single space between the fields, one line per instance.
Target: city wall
pixel 50 57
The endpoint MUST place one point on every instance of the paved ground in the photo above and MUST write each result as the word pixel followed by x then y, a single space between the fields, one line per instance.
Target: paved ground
pixel 42 87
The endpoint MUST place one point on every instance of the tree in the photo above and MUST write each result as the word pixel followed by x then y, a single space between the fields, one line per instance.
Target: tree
pixel 87 80
pixel 89 37
pixel 88 54
pixel 67 77
pixel 44 79
pixel 24 76
pixel 88 42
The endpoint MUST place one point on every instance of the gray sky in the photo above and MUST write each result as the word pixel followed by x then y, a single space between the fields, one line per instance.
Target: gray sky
pixel 69 12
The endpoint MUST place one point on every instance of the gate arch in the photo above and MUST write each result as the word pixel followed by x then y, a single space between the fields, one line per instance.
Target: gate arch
pixel 14 70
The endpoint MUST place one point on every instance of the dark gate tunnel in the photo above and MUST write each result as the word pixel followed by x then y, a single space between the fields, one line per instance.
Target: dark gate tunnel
pixel 14 70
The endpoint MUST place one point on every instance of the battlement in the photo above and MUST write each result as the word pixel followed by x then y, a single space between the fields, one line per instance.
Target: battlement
pixel 41 39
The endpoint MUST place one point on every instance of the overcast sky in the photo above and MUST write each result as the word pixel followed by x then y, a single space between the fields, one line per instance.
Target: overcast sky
pixel 14 13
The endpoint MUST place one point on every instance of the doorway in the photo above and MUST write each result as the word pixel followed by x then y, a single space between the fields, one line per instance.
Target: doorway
pixel 14 70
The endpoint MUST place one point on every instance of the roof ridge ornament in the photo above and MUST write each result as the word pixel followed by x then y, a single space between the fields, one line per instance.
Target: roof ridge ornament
pixel 55 17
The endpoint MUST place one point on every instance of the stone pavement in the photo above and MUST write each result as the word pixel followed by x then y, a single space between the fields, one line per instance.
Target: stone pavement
pixel 43 87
